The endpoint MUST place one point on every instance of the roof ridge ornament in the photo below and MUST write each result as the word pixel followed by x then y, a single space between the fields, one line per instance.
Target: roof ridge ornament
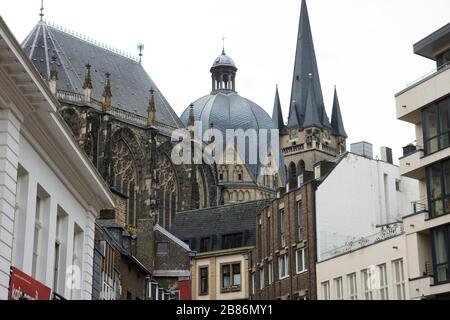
pixel 223 45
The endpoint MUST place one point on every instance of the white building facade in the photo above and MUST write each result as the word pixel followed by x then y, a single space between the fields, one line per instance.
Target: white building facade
pixel 49 192
pixel 376 271
pixel 356 199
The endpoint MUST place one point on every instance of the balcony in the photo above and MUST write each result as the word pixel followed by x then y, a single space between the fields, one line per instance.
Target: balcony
pixel 414 160
pixel 422 92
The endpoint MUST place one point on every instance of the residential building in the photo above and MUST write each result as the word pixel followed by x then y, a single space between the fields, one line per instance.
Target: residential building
pixel 222 238
pixel 282 265
pixel 375 195
pixel 50 192
pixel 374 269
pixel 426 105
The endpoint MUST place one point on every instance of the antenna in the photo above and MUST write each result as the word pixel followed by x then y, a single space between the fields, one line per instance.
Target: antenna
pixel 140 47
pixel 42 10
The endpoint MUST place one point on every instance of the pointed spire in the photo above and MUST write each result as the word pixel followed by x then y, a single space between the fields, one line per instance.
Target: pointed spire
pixel 312 118
pixel 305 64
pixel 87 77
pixel 293 116
pixel 53 74
pixel 107 96
pixel 191 120
pixel 277 114
pixel 337 122
pixel 151 111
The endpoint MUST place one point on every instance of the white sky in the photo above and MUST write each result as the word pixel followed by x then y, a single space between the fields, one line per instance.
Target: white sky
pixel 362 46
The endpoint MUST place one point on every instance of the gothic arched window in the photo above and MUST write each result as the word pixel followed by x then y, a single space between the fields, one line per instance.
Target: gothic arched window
pixel 292 171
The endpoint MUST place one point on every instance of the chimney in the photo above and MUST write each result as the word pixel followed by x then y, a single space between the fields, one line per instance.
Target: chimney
pixel 363 149
pixel 386 155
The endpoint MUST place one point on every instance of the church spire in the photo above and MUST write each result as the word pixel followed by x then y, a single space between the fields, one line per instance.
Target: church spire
pixel 53 74
pixel 107 96
pixel 277 115
pixel 312 117
pixel 305 64
pixel 87 85
pixel 337 122
pixel 151 111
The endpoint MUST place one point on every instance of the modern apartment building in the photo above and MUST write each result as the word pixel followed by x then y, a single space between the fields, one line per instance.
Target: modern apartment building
pixel 426 105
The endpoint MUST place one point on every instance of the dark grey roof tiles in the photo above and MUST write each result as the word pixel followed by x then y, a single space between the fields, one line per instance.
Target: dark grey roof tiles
pixel 305 66
pixel 216 222
pixel 337 123
pixel 130 83
pixel 312 117
pixel 277 114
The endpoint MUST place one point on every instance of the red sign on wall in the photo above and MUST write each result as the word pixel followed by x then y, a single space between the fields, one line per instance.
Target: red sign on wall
pixel 25 287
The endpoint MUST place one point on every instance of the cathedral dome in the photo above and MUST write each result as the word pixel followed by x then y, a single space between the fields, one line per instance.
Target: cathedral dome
pixel 223 60
pixel 225 109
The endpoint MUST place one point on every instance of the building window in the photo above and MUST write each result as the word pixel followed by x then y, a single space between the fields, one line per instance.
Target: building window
pixel 382 276
pixel 366 278
pixel 270 272
pixel 338 284
pixel 261 278
pixel 399 279
pixel 398 185
pixel 282 228
pixel 162 248
pixel 283 266
pixel 438 187
pixel 299 220
pixel 230 241
pixel 352 287
pixel 436 126
pixel 292 171
pixel 204 281
pixel 326 290
pixel 37 237
pixel 204 244
pixel 441 253
pixel 301 260
pixel 231 276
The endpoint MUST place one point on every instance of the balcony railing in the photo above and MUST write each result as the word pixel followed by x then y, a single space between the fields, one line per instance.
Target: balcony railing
pixel 425 77
pixel 388 232
pixel 413 147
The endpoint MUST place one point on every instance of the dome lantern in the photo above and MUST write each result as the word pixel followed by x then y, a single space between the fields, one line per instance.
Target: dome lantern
pixel 223 74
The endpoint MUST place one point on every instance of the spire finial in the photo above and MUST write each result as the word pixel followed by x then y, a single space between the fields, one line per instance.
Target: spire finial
pixel 151 111
pixel 42 10
pixel 140 47
pixel 223 44
pixel 107 95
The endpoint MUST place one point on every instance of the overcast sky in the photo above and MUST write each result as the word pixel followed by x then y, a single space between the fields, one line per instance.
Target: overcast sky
pixel 364 47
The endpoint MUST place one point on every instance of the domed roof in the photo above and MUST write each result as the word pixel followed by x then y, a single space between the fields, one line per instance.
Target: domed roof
pixel 228 110
pixel 223 60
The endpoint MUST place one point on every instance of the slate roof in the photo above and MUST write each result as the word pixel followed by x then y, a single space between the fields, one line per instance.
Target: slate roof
pixel 130 83
pixel 305 66
pixel 277 114
pixel 194 225
pixel 337 123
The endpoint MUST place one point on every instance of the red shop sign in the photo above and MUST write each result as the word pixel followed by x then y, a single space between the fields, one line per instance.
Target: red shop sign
pixel 24 286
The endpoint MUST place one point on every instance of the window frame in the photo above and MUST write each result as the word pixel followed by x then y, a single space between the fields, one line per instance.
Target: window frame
pixel 262 283
pixel 383 281
pixel 232 287
pixel 283 260
pixel 399 284
pixel 339 288
pixel 201 278
pixel 162 253
pixel 304 261
pixel 445 194
pixel 446 230
pixel 270 272
pixel 282 226
pixel 367 289
pixel 298 218
pixel 352 287
pixel 439 130
pixel 326 294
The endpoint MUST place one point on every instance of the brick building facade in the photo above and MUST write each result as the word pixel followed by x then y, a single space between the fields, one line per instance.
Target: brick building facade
pixel 282 265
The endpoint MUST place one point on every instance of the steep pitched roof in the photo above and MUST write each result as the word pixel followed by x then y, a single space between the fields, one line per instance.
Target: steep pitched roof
pixel 337 122
pixel 215 222
pixel 305 66
pixel 277 114
pixel 312 117
pixel 129 80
